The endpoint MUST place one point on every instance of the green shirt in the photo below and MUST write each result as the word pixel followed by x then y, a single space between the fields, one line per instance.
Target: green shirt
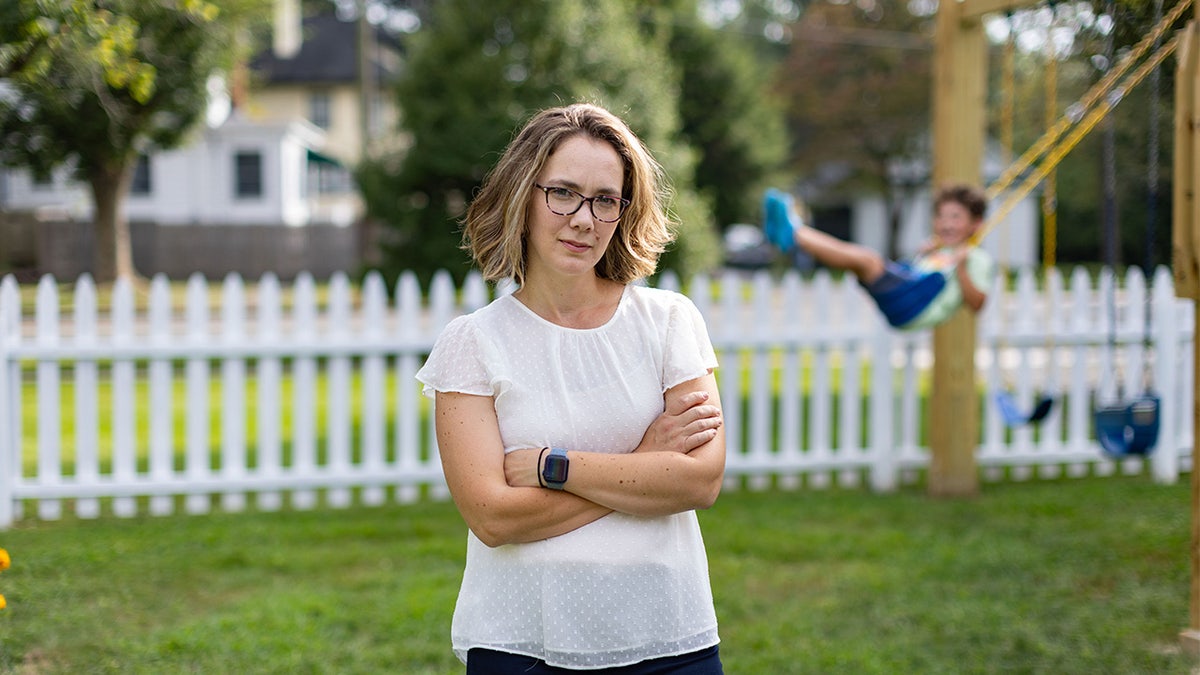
pixel 981 268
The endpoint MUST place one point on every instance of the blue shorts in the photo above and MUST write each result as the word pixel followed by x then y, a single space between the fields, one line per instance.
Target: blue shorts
pixel 491 662
pixel 903 292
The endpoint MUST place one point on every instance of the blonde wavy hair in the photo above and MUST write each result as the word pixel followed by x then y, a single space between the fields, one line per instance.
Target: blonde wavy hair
pixel 495 225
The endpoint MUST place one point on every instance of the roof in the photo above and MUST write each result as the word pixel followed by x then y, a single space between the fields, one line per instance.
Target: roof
pixel 328 55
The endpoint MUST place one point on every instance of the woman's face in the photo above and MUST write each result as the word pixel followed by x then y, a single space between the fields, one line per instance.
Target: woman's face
pixel 572 245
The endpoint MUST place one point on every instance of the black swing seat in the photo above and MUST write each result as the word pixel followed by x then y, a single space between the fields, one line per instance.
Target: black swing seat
pixel 1128 429
pixel 1012 414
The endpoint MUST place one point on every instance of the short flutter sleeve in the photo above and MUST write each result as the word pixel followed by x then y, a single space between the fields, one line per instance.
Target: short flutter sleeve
pixel 688 351
pixel 457 362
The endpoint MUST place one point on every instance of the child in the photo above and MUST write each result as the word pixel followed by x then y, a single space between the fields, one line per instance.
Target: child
pixel 948 271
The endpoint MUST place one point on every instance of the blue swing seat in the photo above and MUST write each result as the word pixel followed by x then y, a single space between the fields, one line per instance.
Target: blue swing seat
pixel 1013 416
pixel 1128 429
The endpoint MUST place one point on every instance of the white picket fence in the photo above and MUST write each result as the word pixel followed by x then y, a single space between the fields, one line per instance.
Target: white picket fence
pixel 303 396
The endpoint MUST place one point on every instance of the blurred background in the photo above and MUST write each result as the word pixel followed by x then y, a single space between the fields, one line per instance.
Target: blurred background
pixel 348 135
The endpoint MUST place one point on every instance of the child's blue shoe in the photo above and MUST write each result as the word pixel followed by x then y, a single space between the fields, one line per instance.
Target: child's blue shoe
pixel 781 221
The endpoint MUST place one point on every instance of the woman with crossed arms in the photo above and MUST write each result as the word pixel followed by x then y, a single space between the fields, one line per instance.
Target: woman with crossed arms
pixel 578 419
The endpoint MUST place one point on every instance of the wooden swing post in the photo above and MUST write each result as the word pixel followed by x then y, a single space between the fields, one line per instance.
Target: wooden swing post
pixel 1185 258
pixel 959 129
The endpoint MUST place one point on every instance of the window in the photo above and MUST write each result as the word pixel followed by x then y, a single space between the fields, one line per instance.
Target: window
pixel 42 182
pixel 140 185
pixel 320 109
pixel 248 175
pixel 327 176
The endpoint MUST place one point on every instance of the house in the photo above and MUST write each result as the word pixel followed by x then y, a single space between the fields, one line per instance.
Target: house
pixel 276 151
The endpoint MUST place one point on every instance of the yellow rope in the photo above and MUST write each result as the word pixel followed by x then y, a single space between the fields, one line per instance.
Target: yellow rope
pixel 1081 129
pixel 1008 96
pixel 1094 95
pixel 1050 189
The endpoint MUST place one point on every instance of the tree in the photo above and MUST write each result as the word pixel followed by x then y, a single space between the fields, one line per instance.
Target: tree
pixel 474 76
pixel 858 83
pixel 1082 60
pixel 93 84
pixel 729 110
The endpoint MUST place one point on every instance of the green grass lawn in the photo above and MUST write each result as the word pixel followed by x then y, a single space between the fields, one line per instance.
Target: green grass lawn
pixel 1080 576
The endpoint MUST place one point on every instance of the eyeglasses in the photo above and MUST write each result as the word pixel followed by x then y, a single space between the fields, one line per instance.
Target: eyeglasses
pixel 565 202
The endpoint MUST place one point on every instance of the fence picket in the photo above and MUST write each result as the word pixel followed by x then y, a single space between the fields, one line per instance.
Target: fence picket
pixel 813 390
pixel 49 425
pixel 304 391
pixel 10 398
pixel 162 393
pixel 1024 327
pixel 880 411
pixel 124 398
pixel 269 394
pixel 233 392
pixel 338 390
pixel 729 382
pixel 408 392
pixel 1055 311
pixel 791 397
pixel 991 318
pixel 87 418
pixel 759 436
pixel 820 408
pixel 1165 465
pixel 198 376
pixel 373 386
pixel 1081 324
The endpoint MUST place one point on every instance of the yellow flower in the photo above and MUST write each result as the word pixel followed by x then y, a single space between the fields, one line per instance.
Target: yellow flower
pixel 5 561
pixel 2 603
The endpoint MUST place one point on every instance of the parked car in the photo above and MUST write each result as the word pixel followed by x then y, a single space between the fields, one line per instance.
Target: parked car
pixel 746 247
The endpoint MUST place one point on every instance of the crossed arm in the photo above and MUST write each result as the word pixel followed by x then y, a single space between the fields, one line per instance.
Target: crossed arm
pixel 678 466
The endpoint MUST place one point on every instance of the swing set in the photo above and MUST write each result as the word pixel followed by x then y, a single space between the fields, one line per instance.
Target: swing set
pixel 1125 426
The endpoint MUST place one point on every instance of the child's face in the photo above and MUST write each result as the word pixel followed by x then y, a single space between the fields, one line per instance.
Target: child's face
pixel 953 224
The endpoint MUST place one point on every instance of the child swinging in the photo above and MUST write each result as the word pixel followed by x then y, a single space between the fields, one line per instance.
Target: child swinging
pixel 948 271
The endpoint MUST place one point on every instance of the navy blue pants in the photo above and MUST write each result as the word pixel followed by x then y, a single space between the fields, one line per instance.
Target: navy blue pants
pixel 489 662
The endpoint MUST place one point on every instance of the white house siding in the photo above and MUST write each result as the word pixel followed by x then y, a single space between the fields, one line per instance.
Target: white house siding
pixel 283 147
pixel 195 184
pixel 343 137
pixel 61 197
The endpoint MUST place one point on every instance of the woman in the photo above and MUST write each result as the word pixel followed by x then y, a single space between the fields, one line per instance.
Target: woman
pixel 578 419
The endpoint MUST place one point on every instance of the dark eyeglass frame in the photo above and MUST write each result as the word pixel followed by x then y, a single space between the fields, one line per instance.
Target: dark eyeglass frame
pixel 590 201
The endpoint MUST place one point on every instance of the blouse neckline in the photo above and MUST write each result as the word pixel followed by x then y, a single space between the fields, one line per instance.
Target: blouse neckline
pixel 538 317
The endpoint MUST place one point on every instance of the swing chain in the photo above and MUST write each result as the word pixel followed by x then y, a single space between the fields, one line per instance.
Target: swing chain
pixel 1151 210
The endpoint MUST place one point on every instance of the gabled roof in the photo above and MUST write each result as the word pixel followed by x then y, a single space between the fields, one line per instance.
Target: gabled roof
pixel 328 55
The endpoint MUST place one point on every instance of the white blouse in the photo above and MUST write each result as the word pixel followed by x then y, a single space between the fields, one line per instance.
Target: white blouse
pixel 623 588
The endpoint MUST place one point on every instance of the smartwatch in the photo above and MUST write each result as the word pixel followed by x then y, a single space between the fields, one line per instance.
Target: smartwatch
pixel 554 469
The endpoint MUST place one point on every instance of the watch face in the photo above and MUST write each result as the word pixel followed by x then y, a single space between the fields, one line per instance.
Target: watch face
pixel 554 470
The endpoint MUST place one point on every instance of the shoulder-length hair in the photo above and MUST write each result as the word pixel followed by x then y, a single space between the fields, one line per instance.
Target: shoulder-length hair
pixel 495 224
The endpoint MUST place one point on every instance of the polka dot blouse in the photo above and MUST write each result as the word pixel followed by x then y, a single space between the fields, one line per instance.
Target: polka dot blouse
pixel 623 588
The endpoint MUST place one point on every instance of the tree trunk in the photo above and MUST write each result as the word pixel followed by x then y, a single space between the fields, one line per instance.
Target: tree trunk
pixel 112 255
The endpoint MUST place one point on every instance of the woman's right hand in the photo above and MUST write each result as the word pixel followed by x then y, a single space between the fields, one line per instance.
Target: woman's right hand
pixel 686 424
